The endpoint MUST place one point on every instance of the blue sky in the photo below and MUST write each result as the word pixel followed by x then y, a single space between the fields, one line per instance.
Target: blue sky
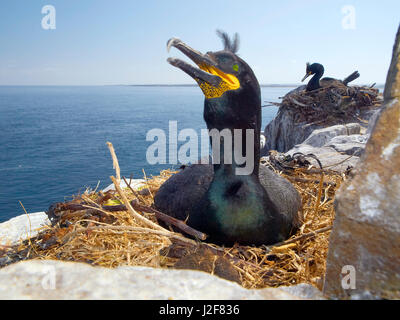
pixel 99 42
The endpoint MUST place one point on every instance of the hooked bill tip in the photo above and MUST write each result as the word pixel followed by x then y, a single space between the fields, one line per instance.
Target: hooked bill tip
pixel 171 42
pixel 172 61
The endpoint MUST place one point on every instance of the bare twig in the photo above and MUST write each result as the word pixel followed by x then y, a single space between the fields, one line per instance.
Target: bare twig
pixel 132 190
pixel 135 205
pixel 170 220
pixel 131 210
pixel 115 162
pixel 145 220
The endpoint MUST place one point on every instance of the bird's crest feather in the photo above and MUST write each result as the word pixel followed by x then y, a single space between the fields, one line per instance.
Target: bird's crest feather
pixel 231 45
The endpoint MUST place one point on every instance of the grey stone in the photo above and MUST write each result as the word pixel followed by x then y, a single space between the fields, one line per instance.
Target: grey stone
pixel 283 133
pixel 333 146
pixel 364 244
pixel 135 184
pixel 304 291
pixel 372 120
pixel 263 141
pixel 350 145
pixel 46 279
pixel 328 156
pixel 354 138
pixel 321 137
pixel 22 227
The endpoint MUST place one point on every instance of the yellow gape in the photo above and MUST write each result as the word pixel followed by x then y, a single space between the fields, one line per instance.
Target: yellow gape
pixel 229 82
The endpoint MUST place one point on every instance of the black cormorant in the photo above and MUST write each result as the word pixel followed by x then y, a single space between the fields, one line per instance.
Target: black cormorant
pixel 213 198
pixel 316 82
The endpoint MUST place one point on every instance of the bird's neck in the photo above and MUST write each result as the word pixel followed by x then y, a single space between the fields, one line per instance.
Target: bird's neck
pixel 238 156
pixel 314 82
pixel 240 117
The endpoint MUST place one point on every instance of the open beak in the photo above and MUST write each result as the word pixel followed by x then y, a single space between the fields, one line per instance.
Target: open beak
pixel 306 76
pixel 213 81
pixel 203 61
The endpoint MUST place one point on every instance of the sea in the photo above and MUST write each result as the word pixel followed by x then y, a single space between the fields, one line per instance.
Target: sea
pixel 53 138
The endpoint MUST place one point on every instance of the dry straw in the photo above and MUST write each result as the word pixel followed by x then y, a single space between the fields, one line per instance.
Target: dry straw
pixel 98 236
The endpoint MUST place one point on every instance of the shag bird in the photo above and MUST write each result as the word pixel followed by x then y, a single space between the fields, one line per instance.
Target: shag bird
pixel 255 208
pixel 316 82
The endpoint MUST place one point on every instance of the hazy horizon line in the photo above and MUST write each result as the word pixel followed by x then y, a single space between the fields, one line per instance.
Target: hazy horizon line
pixel 156 85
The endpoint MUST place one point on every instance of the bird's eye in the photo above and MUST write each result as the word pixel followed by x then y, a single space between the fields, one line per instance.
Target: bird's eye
pixel 235 67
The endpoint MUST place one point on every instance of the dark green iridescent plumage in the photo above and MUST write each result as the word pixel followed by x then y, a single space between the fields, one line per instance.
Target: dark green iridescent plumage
pixel 214 199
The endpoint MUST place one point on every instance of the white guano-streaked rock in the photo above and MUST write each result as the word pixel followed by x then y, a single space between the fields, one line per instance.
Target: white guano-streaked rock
pixel 321 137
pixel 22 227
pixel 134 183
pixel 337 147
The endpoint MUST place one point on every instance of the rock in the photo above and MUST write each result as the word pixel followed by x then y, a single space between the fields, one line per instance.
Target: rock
pixel 329 157
pixel 321 137
pixel 135 184
pixel 333 149
pixel 263 141
pixel 22 227
pixel 304 291
pixel 364 251
pixel 46 279
pixel 350 145
pixel 372 120
pixel 283 133
pixel 333 146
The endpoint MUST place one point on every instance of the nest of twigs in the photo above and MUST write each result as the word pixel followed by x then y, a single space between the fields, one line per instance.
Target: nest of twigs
pixel 336 103
pixel 119 228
